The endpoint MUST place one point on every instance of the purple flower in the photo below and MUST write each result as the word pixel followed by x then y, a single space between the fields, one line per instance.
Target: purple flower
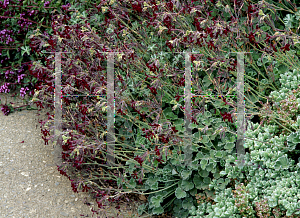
pixel 8 72
pixel 20 77
pixel 23 91
pixel 5 110
pixel 5 3
pixel 64 7
pixel 47 3
pixel 31 13
pixel 4 88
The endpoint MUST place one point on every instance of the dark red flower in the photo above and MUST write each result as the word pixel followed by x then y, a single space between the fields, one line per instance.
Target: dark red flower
pixel 139 160
pixel 120 112
pixel 134 175
pixel 286 47
pixel 85 188
pixel 159 160
pixel 226 116
pixel 140 181
pixel 224 99
pixel 251 38
pixel 163 139
pixel 152 89
pixel 157 150
pixel 177 97
pixel 174 129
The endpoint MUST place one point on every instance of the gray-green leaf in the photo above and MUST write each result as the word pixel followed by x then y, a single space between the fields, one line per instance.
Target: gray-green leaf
pixel 180 193
pixel 187 185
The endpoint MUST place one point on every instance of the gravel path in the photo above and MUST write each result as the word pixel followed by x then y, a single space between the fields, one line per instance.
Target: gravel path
pixel 30 185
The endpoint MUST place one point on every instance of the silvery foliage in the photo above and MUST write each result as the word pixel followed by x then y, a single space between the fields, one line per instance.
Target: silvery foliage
pixel 271 174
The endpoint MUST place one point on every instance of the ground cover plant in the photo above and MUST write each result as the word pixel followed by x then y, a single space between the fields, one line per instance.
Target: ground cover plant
pixel 169 184
pixel 267 186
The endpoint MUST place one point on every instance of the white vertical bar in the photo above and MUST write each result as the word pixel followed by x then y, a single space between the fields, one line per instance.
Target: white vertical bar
pixel 110 110
pixel 58 109
pixel 240 109
pixel 187 110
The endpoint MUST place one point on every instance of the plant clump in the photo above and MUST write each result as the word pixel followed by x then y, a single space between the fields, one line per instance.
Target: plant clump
pixel 150 103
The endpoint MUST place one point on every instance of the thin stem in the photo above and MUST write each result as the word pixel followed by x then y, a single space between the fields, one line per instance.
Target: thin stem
pixel 161 189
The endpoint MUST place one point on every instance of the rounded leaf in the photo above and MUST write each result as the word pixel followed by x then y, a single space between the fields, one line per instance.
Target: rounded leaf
pixel 180 193
pixel 282 163
pixel 272 202
pixel 210 167
pixel 187 185
pixel 156 200
pixel 185 174
pixel 206 180
pixel 229 146
pixel 158 210
pixel 203 173
pixel 187 203
pixel 219 154
pixel 203 163
pixel 197 181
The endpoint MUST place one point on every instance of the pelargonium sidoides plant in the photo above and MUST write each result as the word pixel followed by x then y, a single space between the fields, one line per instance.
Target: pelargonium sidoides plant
pixel 153 133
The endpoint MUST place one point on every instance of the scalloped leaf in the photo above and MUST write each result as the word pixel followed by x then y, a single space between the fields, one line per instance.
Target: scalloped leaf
pixel 194 165
pixel 203 163
pixel 199 155
pixel 132 183
pixel 193 126
pixel 156 200
pixel 193 191
pixel 180 193
pixel 229 146
pixel 158 210
pixel 203 173
pixel 219 154
pixel 231 139
pixel 187 185
pixel 294 138
pixel 205 139
pixel 197 180
pixel 206 180
pixel 185 174
pixel 282 163
pixel 210 167
pixel 152 182
pixel 187 203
